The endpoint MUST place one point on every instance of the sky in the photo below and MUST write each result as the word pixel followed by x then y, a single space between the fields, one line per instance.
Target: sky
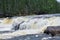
pixel 58 0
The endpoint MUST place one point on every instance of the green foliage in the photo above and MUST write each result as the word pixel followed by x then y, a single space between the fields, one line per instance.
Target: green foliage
pixel 27 7
pixel 58 8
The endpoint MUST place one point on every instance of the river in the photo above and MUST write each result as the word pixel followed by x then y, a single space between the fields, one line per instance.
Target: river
pixel 30 22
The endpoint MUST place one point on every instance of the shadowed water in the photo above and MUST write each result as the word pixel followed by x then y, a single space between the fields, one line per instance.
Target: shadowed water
pixel 35 37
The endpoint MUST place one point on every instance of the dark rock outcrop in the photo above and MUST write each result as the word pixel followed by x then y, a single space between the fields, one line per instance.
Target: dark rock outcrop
pixel 53 30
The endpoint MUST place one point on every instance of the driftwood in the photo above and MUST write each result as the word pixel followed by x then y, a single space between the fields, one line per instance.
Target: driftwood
pixel 53 30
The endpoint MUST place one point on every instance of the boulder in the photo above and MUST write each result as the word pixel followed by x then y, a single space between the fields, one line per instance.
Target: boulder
pixel 53 30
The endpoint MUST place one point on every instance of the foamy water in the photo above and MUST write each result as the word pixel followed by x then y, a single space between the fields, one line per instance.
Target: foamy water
pixel 29 25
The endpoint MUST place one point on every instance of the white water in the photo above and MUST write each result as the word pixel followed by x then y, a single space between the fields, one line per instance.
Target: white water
pixel 30 25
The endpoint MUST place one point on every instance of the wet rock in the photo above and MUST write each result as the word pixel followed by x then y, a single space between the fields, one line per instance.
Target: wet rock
pixel 53 30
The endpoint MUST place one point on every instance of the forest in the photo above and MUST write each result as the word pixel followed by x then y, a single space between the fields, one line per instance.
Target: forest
pixel 28 7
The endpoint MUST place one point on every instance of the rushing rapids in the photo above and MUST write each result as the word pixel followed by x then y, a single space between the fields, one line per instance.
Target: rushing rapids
pixel 27 25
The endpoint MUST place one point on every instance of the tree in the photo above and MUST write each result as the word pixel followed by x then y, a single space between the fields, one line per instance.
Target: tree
pixel 28 7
